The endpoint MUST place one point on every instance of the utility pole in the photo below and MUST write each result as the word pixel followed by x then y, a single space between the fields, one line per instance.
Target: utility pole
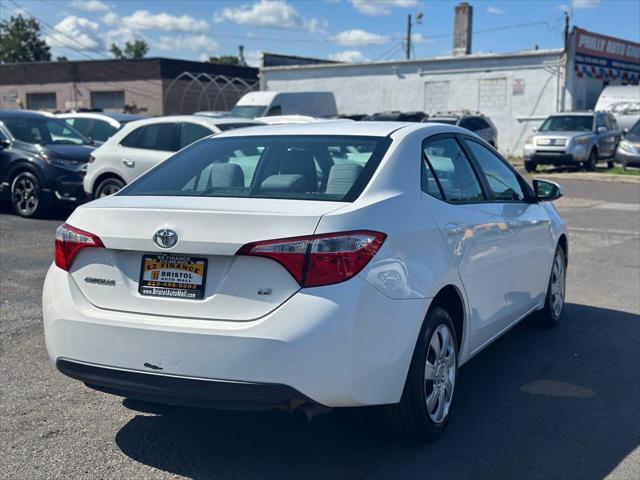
pixel 408 46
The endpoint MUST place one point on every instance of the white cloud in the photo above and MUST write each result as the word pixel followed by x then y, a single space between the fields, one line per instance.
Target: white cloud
pixel 145 20
pixel 77 33
pixel 577 4
pixel 111 18
pixel 121 35
pixel 381 7
pixel 495 11
pixel 197 43
pixel 358 38
pixel 268 13
pixel 350 56
pixel 418 38
pixel 90 5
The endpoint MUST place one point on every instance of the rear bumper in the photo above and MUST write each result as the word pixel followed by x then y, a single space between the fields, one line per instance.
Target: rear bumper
pixel 185 391
pixel 338 345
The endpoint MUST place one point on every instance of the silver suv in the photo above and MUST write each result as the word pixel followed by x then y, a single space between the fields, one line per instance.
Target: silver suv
pixel 576 138
pixel 476 122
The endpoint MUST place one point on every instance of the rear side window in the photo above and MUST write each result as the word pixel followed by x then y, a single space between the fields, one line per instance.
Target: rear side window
pixel 455 177
pixel 319 167
pixel 102 130
pixel 190 132
pixel 502 181
pixel 159 136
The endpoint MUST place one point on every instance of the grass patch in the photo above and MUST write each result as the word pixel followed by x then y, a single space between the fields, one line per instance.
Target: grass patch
pixel 622 171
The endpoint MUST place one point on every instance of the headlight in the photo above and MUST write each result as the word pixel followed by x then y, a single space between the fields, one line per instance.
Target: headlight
pixel 581 140
pixel 60 162
pixel 627 146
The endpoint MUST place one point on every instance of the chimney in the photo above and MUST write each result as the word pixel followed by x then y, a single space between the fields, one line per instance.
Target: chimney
pixel 462 27
pixel 241 60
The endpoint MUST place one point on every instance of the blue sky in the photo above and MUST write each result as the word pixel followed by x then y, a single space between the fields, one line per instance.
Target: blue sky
pixel 350 30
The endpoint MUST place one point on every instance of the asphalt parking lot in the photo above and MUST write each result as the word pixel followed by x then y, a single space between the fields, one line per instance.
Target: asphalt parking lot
pixel 560 403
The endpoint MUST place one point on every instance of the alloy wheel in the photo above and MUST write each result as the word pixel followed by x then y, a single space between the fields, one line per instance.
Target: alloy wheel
pixel 440 373
pixel 558 275
pixel 108 189
pixel 25 195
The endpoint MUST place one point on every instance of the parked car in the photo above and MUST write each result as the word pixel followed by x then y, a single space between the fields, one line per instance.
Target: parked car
pixel 576 138
pixel 289 119
pixel 98 126
pixel 42 161
pixel 268 104
pixel 396 116
pixel 475 122
pixel 614 94
pixel 213 113
pixel 628 152
pixel 268 267
pixel 140 145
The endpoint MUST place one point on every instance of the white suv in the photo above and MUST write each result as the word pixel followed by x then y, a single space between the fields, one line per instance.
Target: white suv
pixel 142 144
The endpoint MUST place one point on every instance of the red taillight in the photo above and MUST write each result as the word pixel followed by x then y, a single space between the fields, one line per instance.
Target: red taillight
pixel 69 241
pixel 317 260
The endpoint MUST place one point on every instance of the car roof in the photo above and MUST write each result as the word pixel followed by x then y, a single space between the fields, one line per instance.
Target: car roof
pixel 117 116
pixel 23 114
pixel 338 127
pixel 573 114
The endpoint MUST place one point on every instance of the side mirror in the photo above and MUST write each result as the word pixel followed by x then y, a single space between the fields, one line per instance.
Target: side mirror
pixel 625 130
pixel 4 143
pixel 534 129
pixel 547 191
pixel 602 129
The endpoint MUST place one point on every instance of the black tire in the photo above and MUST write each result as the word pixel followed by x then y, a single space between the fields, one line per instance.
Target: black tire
pixel 108 186
pixel 549 316
pixel 27 198
pixel 410 419
pixel 530 167
pixel 610 164
pixel 590 164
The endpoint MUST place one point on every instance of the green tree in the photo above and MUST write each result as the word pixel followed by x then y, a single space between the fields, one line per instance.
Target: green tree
pixel 224 60
pixel 132 50
pixel 62 58
pixel 20 41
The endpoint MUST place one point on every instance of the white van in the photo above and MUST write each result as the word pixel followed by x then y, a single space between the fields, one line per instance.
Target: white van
pixel 623 101
pixel 267 104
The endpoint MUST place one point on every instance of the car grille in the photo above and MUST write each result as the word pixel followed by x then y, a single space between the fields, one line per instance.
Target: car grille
pixel 551 142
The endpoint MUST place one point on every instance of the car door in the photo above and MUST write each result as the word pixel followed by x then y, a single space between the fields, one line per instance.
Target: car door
pixel 145 147
pixel 614 132
pixel 531 242
pixel 474 231
pixel 606 138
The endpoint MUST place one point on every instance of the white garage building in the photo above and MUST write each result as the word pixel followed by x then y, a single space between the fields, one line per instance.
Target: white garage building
pixel 517 90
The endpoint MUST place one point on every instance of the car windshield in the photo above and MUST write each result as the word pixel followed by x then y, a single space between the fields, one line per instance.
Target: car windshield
pixel 319 167
pixel 568 123
pixel 248 111
pixel 45 131
pixel 635 130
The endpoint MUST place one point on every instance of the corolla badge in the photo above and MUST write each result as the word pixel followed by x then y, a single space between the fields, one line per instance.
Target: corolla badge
pixel 165 238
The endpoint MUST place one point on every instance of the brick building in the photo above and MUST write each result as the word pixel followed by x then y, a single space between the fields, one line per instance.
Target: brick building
pixel 154 86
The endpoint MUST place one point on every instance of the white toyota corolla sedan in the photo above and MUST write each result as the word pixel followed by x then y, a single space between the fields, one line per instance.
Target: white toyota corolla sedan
pixel 306 267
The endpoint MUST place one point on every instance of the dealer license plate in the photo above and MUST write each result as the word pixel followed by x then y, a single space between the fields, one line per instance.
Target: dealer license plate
pixel 176 276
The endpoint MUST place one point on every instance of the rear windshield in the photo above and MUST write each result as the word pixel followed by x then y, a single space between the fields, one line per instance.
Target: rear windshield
pixel 334 168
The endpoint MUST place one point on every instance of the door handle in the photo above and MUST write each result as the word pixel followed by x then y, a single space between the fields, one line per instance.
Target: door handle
pixel 454 229
pixel 128 163
pixel 515 225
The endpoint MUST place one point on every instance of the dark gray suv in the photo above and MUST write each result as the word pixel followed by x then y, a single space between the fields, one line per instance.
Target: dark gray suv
pixel 476 122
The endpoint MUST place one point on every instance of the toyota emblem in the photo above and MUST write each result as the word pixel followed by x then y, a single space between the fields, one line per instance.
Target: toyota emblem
pixel 165 238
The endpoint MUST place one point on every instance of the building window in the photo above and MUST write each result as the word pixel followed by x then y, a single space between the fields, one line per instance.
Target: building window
pixel 108 100
pixel 41 101
pixel 436 97
pixel 492 93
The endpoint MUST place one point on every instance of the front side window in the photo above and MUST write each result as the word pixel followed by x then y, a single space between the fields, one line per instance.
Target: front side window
pixel 83 125
pixel 158 136
pixel 191 132
pixel 600 121
pixel 45 131
pixel 455 176
pixel 502 181
pixel 318 167
pixel 568 123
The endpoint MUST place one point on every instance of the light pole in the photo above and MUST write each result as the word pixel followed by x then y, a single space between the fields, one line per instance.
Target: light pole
pixel 410 24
